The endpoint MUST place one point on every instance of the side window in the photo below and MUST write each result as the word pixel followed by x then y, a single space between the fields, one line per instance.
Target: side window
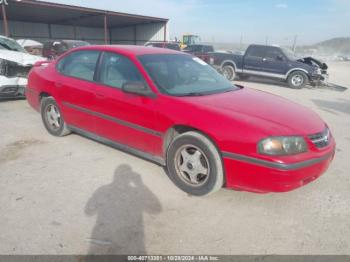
pixel 116 70
pixel 80 64
pixel 256 52
pixel 273 54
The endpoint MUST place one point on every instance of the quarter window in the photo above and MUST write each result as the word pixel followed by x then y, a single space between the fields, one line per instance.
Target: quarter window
pixel 80 64
pixel 116 70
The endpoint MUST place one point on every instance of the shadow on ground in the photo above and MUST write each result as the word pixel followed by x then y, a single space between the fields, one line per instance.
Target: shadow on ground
pixel 274 82
pixel 6 99
pixel 119 208
pixel 340 106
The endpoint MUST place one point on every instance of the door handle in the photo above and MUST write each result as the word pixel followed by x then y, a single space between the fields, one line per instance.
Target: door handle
pixel 264 59
pixel 100 95
pixel 58 84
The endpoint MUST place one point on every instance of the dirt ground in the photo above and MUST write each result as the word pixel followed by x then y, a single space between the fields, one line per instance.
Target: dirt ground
pixel 72 195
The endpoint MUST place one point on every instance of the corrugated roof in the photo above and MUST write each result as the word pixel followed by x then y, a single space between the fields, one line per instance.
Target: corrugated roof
pixel 53 13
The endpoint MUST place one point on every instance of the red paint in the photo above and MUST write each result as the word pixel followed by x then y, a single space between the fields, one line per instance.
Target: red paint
pixel 235 121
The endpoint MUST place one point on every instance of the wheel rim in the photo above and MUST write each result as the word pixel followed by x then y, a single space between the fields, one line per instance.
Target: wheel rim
pixel 228 73
pixel 297 80
pixel 53 117
pixel 192 165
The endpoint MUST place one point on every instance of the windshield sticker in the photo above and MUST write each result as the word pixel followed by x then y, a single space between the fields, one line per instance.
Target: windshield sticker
pixel 199 61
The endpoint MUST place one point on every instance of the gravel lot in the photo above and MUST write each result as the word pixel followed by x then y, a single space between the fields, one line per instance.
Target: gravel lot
pixel 72 195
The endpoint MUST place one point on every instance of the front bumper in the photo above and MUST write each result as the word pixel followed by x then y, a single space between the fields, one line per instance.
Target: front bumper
pixel 254 175
pixel 12 91
pixel 12 87
pixel 319 79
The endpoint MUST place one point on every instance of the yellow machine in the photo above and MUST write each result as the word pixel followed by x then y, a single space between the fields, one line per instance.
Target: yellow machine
pixel 189 39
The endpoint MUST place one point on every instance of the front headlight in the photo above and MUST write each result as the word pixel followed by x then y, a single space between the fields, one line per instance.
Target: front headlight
pixel 289 145
pixel 318 71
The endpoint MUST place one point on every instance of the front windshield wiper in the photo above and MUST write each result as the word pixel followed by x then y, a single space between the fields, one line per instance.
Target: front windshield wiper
pixel 193 94
pixel 5 46
pixel 207 93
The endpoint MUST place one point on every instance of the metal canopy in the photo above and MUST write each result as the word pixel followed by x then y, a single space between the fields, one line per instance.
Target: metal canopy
pixel 52 13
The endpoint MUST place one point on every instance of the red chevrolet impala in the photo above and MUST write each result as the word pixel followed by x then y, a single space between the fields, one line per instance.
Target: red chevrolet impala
pixel 174 109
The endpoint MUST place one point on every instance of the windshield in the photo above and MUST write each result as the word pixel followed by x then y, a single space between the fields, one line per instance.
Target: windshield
pixel 184 75
pixel 289 54
pixel 12 45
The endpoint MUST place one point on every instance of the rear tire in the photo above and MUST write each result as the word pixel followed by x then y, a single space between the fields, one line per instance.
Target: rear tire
pixel 194 164
pixel 53 118
pixel 297 80
pixel 229 72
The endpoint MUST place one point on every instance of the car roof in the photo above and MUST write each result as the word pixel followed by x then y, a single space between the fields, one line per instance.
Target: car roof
pixel 130 50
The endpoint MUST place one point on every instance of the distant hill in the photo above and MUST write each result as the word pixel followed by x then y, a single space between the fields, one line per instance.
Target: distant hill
pixel 327 49
pixel 334 46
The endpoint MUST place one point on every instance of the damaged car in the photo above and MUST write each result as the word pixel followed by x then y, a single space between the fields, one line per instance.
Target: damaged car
pixel 15 64
pixel 271 62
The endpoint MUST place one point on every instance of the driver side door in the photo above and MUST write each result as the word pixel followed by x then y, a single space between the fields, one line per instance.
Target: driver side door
pixel 275 62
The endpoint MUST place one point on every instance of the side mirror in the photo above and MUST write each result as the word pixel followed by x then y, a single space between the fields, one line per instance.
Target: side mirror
pixel 138 88
pixel 279 58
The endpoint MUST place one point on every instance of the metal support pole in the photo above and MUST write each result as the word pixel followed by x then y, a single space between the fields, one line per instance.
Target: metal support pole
pixel 6 27
pixel 106 29
pixel 135 35
pixel 49 31
pixel 165 31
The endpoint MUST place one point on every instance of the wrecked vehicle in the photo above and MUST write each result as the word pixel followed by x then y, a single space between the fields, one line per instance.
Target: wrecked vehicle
pixel 271 62
pixel 15 64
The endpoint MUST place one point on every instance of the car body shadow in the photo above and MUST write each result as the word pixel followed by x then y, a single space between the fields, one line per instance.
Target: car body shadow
pixel 280 83
pixel 119 208
pixel 340 106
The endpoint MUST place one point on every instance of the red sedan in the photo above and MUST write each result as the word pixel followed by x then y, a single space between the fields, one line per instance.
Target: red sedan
pixel 174 109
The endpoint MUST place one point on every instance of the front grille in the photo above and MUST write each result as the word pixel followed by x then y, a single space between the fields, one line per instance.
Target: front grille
pixel 322 139
pixel 12 69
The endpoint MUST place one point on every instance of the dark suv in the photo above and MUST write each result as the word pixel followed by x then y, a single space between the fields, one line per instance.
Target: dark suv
pixel 53 49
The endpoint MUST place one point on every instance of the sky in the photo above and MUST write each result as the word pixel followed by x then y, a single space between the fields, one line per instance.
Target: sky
pixel 258 21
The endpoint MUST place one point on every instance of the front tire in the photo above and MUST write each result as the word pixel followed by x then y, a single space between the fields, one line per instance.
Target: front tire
pixel 194 164
pixel 297 80
pixel 53 118
pixel 229 72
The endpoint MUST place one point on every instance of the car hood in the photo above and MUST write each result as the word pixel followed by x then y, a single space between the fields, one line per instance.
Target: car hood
pixel 271 114
pixel 19 57
pixel 313 62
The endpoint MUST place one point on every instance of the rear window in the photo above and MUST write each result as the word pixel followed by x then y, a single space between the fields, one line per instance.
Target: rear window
pixel 80 64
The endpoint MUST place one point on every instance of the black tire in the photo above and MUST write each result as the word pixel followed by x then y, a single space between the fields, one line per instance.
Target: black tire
pixel 209 158
pixel 49 104
pixel 297 80
pixel 229 72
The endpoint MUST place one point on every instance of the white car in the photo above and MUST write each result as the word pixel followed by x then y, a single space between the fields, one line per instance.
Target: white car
pixel 15 64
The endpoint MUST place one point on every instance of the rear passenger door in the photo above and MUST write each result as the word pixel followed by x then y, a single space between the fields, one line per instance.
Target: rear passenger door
pixel 254 60
pixel 76 89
